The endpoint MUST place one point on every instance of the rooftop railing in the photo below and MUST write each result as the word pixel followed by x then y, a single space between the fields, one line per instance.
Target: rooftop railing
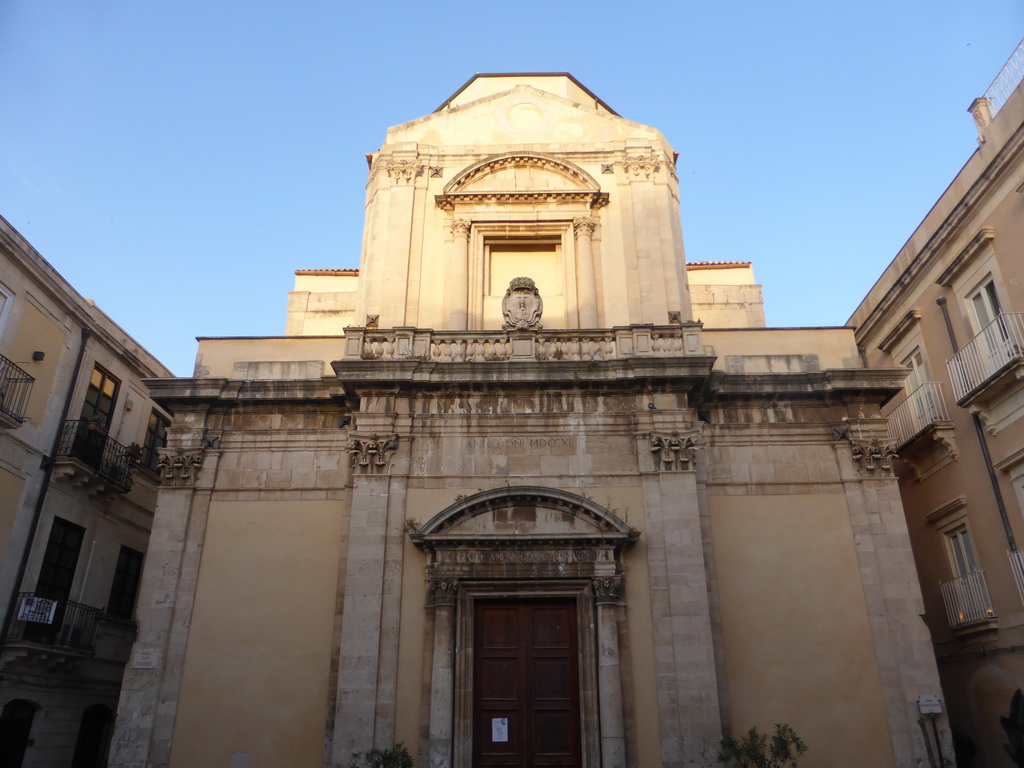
pixel 920 409
pixel 15 389
pixel 93 447
pixel 999 343
pixel 60 623
pixel 1007 80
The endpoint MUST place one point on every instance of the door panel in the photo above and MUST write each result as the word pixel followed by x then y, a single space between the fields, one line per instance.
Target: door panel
pixel 526 674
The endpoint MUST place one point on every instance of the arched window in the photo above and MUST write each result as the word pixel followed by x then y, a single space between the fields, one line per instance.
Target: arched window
pixel 93 737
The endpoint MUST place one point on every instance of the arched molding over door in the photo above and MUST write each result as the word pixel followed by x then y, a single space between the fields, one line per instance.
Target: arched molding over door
pixel 525 543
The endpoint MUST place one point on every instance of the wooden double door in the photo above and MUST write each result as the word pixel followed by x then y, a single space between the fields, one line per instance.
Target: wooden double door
pixel 526 692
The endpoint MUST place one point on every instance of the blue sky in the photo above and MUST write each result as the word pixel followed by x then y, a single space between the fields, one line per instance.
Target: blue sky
pixel 176 162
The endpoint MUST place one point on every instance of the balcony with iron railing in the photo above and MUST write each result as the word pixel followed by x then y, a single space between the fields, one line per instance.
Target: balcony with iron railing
pixel 56 623
pixel 998 348
pixel 83 443
pixel 968 605
pixel 919 410
pixel 15 390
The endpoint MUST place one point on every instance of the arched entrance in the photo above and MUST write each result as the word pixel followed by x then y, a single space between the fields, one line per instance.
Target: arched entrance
pixel 93 737
pixel 527 583
pixel 15 728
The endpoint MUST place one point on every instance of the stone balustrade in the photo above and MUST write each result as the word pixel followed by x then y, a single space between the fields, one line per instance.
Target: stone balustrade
pixel 537 345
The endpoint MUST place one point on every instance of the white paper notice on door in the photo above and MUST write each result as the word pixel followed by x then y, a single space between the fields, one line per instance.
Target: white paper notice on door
pixel 499 729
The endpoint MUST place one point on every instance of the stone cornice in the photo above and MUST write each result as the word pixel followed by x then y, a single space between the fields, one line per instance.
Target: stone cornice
pixel 964 258
pixel 902 328
pixel 179 394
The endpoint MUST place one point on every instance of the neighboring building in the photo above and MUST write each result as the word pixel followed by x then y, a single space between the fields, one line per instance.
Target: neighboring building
pixel 524 510
pixel 950 309
pixel 76 507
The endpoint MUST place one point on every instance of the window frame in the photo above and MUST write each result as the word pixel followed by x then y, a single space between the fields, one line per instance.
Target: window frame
pixel 156 431
pixel 91 409
pixel 121 598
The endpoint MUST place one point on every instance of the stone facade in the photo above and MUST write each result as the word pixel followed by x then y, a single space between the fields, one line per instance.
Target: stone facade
pixel 524 419
pixel 948 309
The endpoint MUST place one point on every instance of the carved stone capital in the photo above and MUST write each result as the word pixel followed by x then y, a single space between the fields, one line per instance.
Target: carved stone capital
pixel 608 589
pixel 872 458
pixel 371 456
pixel 402 171
pixel 461 227
pixel 584 226
pixel 179 469
pixel 443 591
pixel 641 166
pixel 674 452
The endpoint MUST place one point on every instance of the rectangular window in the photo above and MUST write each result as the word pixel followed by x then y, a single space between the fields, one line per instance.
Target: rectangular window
pixel 100 398
pixel 156 438
pixel 126 584
pixel 960 551
pixel 60 560
pixel 985 305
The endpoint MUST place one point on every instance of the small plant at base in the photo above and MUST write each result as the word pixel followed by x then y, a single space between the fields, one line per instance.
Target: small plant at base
pixel 411 525
pixel 755 750
pixel 396 757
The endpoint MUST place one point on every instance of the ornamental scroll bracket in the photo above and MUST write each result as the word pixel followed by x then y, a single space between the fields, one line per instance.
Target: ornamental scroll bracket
pixel 673 452
pixel 872 458
pixel 371 456
pixel 179 469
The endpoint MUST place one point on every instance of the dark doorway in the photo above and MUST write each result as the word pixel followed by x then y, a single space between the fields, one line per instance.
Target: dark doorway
pixel 526 709
pixel 15 727
pixel 93 737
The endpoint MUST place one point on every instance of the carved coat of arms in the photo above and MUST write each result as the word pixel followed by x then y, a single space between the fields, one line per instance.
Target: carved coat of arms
pixel 522 305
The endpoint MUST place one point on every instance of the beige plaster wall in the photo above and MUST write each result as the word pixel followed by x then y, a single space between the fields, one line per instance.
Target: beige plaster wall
pixel 835 347
pixel 256 670
pixel 217 356
pixel 788 562
pixel 37 332
pixel 10 492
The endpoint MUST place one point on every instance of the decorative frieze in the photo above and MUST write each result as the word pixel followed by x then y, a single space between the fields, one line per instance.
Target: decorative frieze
pixel 370 456
pixel 522 305
pixel 180 468
pixel 673 453
pixel 641 166
pixel 443 591
pixel 402 171
pixel 872 457
pixel 608 589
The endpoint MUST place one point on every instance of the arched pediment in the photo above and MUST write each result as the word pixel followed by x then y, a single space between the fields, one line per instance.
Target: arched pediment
pixel 525 514
pixel 521 177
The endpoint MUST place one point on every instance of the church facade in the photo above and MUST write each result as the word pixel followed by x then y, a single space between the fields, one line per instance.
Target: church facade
pixel 501 496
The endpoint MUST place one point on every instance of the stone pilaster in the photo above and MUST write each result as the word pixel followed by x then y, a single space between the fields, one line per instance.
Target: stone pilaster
pixel 442 677
pixel 368 659
pixel 607 596
pixel 586 284
pixel 458 301
pixel 683 643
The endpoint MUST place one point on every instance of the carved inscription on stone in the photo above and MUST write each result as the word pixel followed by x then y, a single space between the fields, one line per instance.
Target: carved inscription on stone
pixel 524 444
pixel 522 305
pixel 179 468
pixel 371 456
pixel 872 458
pixel 521 556
pixel 674 452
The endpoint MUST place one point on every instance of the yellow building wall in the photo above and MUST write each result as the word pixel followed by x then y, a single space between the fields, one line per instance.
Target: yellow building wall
pixel 37 332
pixel 257 667
pixel 10 495
pixel 798 648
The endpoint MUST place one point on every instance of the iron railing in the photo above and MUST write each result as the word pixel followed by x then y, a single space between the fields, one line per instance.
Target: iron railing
pixel 1007 80
pixel 15 389
pixel 999 343
pixel 92 446
pixel 966 599
pixel 921 408
pixel 61 623
pixel 1017 566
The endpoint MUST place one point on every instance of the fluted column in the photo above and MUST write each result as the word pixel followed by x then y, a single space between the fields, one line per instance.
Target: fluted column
pixel 607 594
pixel 458 307
pixel 586 284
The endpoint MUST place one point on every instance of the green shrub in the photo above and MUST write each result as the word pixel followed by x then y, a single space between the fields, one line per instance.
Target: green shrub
pixel 396 757
pixel 783 748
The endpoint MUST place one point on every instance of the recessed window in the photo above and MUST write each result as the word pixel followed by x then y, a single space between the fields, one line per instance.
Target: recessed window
pixel 156 438
pixel 126 583
pixel 60 560
pixel 961 553
pixel 984 305
pixel 100 397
